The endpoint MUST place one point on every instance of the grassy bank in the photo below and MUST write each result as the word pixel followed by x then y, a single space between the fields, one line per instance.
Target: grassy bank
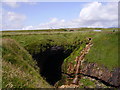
pixel 104 50
pixel 19 69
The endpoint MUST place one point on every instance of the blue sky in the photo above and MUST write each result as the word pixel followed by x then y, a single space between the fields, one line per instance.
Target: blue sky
pixel 42 12
pixel 44 15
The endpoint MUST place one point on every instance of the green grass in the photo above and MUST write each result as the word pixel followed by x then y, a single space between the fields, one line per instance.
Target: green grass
pixel 19 69
pixel 45 30
pixel 71 58
pixel 104 50
pixel 103 29
pixel 64 29
pixel 39 43
pixel 87 83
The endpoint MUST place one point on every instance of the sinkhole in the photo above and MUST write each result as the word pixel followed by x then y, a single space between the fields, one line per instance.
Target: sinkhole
pixel 50 62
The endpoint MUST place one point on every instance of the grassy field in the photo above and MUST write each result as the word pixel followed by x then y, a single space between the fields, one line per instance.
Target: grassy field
pixel 104 50
pixel 17 51
pixel 46 31
pixel 64 29
pixel 37 43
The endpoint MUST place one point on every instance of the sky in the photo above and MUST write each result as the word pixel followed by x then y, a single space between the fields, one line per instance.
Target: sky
pixel 54 15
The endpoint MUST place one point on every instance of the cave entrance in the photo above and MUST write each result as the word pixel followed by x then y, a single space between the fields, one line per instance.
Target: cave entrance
pixel 50 62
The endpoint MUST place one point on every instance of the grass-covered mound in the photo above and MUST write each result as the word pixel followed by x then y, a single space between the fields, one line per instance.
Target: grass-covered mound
pixel 39 43
pixel 41 47
pixel 19 69
pixel 104 50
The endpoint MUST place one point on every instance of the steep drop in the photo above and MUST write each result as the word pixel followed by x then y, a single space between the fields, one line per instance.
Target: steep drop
pixel 50 62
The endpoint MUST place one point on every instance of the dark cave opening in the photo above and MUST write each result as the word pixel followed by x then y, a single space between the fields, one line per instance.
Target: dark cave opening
pixel 50 62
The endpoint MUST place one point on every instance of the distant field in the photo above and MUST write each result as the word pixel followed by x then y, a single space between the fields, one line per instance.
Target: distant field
pixel 66 30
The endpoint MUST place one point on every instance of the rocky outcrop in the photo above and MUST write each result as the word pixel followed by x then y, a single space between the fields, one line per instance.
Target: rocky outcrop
pixel 102 73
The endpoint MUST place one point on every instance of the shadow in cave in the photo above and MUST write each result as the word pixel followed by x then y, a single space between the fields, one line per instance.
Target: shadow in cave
pixel 50 62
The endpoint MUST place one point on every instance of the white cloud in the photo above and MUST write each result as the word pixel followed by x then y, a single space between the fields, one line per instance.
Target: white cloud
pixel 12 4
pixel 16 0
pixel 94 14
pixel 32 3
pixel 53 20
pixel 12 20
pixel 54 23
pixel 28 28
pixel 98 14
pixel 12 17
pixel 16 3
